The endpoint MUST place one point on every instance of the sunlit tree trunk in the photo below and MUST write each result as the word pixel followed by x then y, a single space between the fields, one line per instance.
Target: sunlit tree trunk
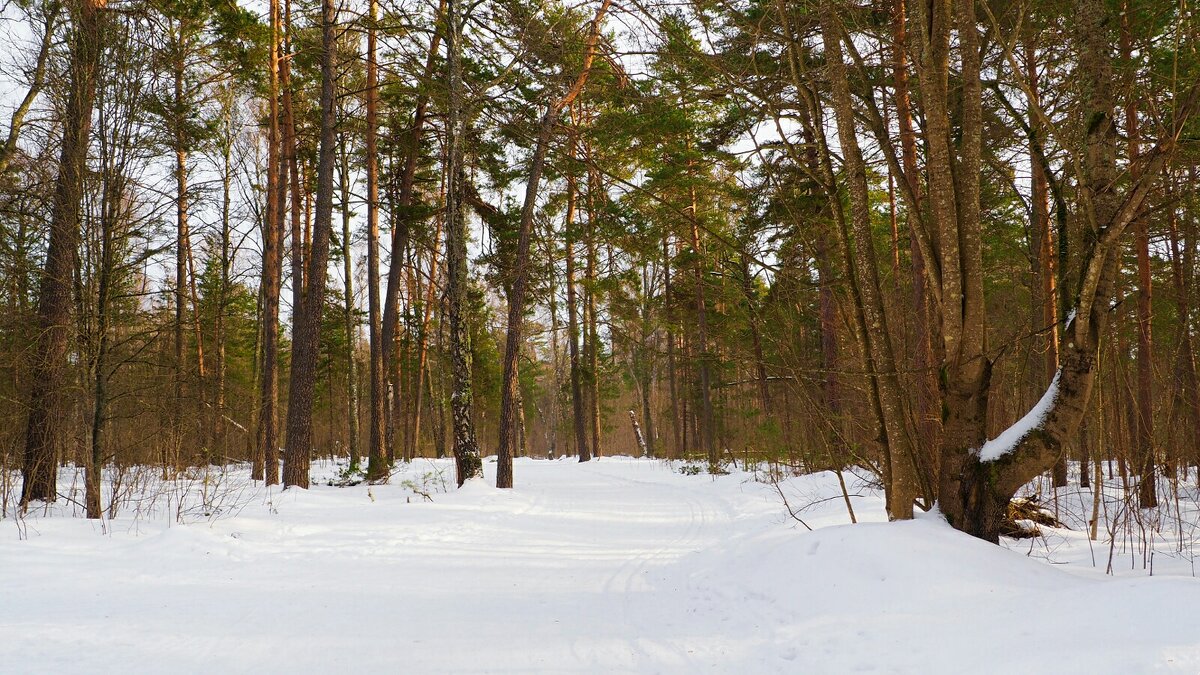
pixel 306 322
pixel 272 271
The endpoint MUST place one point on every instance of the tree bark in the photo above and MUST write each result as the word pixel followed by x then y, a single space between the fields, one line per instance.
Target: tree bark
pixel 377 468
pixel 272 272
pixel 306 323
pixel 466 447
pixel 920 347
pixel 903 481
pixel 401 227
pixel 44 432
pixel 520 268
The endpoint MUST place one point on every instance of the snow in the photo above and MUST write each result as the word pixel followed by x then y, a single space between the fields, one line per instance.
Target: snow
pixel 613 566
pixel 1008 439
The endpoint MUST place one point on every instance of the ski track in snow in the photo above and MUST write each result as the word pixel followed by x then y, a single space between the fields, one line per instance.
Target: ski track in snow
pixel 614 566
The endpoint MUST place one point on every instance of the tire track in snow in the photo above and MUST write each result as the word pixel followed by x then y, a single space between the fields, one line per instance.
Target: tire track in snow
pixel 701 518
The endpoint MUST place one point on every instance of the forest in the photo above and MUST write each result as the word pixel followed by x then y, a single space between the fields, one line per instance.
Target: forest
pixel 949 242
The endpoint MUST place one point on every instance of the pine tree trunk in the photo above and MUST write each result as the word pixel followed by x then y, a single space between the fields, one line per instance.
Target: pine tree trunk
pixel 272 272
pixel 290 169
pixel 928 411
pixel 519 269
pixel 226 264
pixel 306 323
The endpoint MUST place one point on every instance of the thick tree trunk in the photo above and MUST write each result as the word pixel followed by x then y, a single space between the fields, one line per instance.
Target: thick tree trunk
pixel 466 447
pixel 44 432
pixel 306 323
pixel 519 268
pixel 988 476
pixel 290 169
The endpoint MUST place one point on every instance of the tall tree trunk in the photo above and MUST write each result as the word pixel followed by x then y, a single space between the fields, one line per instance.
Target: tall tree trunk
pixel 903 479
pixel 978 494
pixel 920 346
pixel 423 343
pixel 519 269
pixel 760 363
pixel 466 447
pixel 181 238
pixel 646 348
pixel 291 167
pixel 553 415
pixel 272 272
pixel 44 432
pixel 226 265
pixel 1185 365
pixel 377 469
pixel 509 388
pixel 401 228
pixel 306 323
pixel 110 211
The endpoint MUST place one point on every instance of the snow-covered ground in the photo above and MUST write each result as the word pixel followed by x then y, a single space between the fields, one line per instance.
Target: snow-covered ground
pixel 618 565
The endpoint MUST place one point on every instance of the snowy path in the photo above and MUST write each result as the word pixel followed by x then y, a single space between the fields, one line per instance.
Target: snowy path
pixel 555 576
pixel 614 566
